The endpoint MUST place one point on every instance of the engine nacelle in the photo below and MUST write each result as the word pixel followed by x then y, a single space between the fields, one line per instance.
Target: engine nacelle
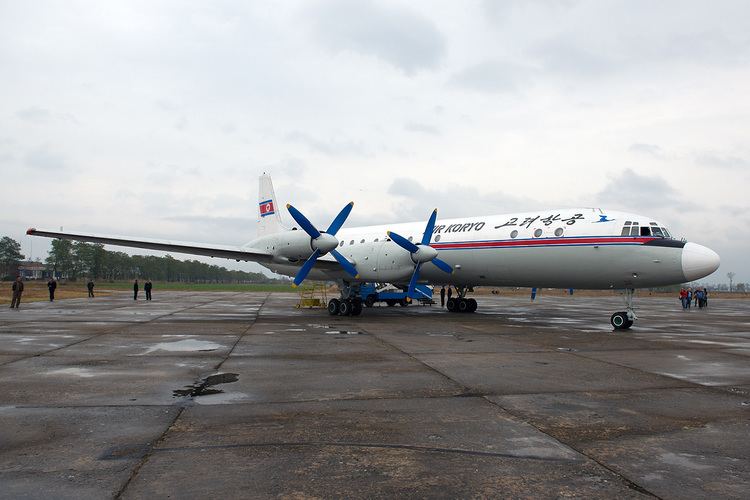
pixel 293 245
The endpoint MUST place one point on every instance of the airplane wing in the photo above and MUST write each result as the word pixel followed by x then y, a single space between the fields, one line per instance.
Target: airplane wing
pixel 227 252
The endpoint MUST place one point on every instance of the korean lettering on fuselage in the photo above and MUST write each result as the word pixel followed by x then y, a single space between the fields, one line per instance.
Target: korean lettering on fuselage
pixel 528 221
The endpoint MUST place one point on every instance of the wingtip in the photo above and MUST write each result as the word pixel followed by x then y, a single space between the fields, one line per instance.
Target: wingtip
pixel 31 230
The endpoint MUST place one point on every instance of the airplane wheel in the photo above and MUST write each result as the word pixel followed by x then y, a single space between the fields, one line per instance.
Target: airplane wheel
pixel 472 305
pixel 463 305
pixel 370 300
pixel 403 302
pixel 356 307
pixel 390 302
pixel 620 321
pixel 333 306
pixel 345 309
pixel 451 305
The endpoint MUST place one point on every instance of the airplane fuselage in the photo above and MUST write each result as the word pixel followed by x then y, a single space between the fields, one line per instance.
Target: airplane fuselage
pixel 570 248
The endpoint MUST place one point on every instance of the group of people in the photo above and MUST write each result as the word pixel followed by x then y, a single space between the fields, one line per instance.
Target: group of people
pixel 147 287
pixel 17 289
pixel 443 293
pixel 698 296
pixel 52 286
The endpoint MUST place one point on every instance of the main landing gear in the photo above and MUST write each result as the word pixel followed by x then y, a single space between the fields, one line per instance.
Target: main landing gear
pixel 461 303
pixel 345 307
pixel 624 319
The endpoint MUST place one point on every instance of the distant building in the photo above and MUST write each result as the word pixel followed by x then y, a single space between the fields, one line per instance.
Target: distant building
pixel 30 270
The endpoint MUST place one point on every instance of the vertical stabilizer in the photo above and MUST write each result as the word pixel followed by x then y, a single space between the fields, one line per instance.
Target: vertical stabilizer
pixel 269 219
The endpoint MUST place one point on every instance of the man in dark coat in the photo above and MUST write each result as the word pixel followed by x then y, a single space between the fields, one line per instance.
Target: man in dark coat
pixel 442 296
pixel 17 291
pixel 135 290
pixel 147 288
pixel 90 287
pixel 52 285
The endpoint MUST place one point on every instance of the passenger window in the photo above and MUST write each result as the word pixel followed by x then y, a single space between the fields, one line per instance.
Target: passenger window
pixel 656 231
pixel 559 231
pixel 537 233
pixel 635 231
pixel 645 231
pixel 351 242
pixel 362 241
pixel 513 233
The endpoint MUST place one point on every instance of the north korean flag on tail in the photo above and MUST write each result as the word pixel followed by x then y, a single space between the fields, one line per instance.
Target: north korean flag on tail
pixel 266 208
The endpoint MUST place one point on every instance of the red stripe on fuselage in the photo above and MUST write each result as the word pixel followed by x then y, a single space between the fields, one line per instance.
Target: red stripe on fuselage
pixel 544 242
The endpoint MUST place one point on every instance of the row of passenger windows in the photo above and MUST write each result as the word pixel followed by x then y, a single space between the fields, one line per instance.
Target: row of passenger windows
pixel 513 234
pixel 653 229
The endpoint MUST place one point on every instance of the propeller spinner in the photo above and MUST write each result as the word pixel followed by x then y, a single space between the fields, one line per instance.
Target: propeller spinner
pixel 421 252
pixel 322 242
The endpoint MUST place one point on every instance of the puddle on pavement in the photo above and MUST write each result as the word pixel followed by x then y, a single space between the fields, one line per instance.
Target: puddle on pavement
pixel 343 332
pixel 187 345
pixel 204 387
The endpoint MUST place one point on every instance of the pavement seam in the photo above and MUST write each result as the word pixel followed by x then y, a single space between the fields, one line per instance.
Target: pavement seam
pixel 345 444
pixel 109 331
pixel 183 405
pixel 628 482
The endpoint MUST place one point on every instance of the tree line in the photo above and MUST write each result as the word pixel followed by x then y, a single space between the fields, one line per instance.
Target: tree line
pixel 81 260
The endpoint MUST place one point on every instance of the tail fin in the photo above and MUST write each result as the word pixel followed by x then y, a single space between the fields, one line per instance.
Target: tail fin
pixel 269 219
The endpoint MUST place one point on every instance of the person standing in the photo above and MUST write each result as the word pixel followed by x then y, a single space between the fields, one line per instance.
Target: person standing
pixel 450 292
pixel 147 288
pixel 90 287
pixel 17 291
pixel 52 286
pixel 442 296
pixel 705 297
pixel 683 298
pixel 135 290
pixel 689 297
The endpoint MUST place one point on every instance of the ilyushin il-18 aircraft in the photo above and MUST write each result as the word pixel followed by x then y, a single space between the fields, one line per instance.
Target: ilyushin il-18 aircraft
pixel 583 248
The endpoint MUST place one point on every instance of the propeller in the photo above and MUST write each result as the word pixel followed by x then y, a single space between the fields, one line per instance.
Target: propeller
pixel 322 242
pixel 421 252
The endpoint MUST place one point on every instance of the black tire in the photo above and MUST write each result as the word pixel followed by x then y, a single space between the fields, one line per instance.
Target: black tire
pixel 620 321
pixel 345 309
pixel 333 307
pixel 390 302
pixel 356 307
pixel 370 300
pixel 451 305
pixel 403 302
pixel 463 305
pixel 472 305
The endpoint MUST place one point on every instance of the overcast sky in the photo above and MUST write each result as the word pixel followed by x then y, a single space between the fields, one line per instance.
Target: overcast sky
pixel 156 118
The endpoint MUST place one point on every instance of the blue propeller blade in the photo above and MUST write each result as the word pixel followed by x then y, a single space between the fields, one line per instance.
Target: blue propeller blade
pixel 442 265
pixel 403 242
pixel 429 228
pixel 413 281
pixel 306 267
pixel 340 219
pixel 305 224
pixel 345 263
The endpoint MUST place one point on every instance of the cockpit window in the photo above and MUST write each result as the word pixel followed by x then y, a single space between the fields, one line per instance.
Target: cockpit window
pixel 666 233
pixel 645 231
pixel 625 231
pixel 635 230
pixel 656 231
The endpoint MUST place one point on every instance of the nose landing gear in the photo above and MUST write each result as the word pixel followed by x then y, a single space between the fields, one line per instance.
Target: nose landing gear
pixel 624 319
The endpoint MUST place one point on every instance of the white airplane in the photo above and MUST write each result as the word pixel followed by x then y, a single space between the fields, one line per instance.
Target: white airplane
pixel 585 248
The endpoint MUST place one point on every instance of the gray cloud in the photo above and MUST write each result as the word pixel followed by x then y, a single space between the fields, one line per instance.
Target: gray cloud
pixel 43 159
pixel 491 76
pixel 647 149
pixel 34 114
pixel 331 147
pixel 422 128
pixel 393 34
pixel 417 202
pixel 629 190
pixel 714 159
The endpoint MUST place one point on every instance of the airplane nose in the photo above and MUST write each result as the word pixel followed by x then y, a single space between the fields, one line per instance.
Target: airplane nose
pixel 698 261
